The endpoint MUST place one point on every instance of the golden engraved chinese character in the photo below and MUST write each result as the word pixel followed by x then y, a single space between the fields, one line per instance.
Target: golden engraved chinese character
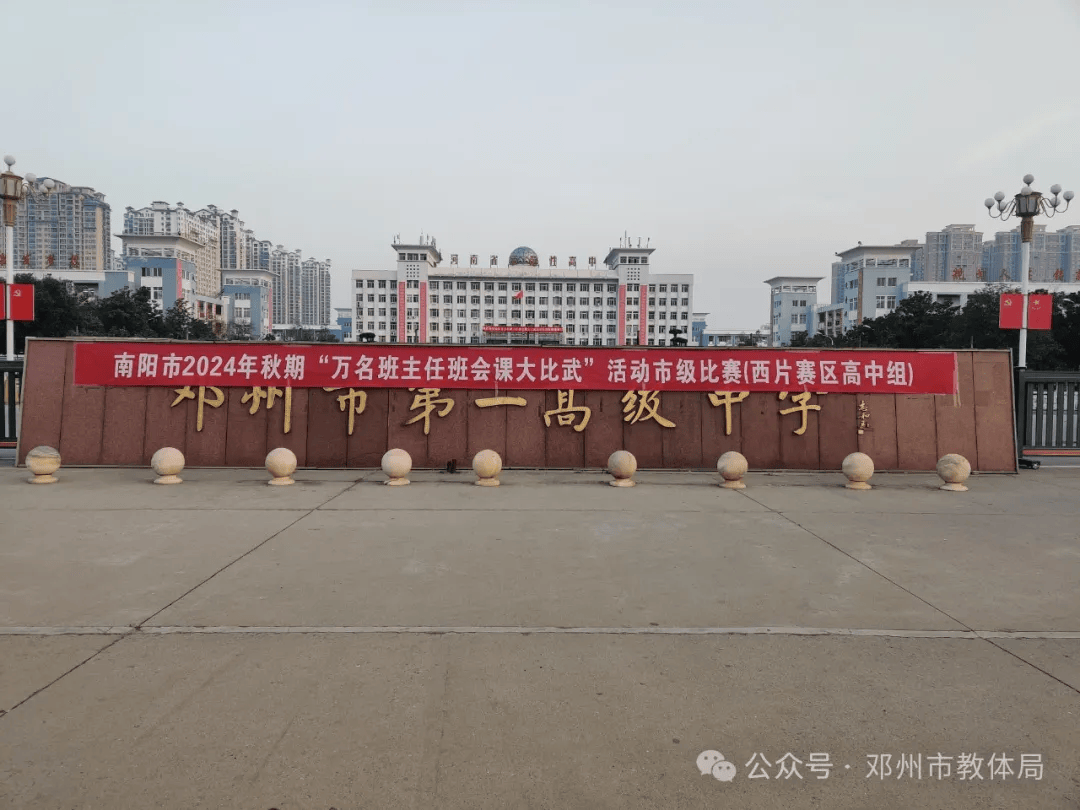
pixel 567 412
pixel 491 402
pixel 187 393
pixel 271 394
pixel 641 406
pixel 727 399
pixel 355 401
pixel 802 406
pixel 864 417
pixel 426 398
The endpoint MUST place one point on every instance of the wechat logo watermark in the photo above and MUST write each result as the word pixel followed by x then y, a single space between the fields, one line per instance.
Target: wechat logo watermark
pixel 713 762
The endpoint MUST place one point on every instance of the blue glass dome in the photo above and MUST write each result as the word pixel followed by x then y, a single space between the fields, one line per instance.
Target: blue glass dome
pixel 524 255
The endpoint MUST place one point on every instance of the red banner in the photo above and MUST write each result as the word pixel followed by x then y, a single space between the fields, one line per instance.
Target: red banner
pixel 588 369
pixel 1011 311
pixel 543 329
pixel 1040 311
pixel 22 302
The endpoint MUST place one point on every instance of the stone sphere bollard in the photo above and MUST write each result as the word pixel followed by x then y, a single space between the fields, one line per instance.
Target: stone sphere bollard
pixel 732 466
pixel 396 464
pixel 954 470
pixel 168 463
pixel 43 462
pixel 858 467
pixel 281 464
pixel 487 465
pixel 622 465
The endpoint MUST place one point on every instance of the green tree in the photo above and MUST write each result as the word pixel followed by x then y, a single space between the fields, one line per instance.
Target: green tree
pixel 129 313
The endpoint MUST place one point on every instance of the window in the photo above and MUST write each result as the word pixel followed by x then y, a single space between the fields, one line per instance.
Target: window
pixel 461 299
pixel 543 314
pixel 434 313
pixel 543 299
pixel 461 327
pixel 585 315
pixel 382 324
pixel 461 285
pixel 881 281
pixel 685 316
pixel 359 283
pixel 663 288
pixel 557 287
pixel 543 287
pixel 382 299
pixel 686 302
pixel 502 299
pixel 489 299
pixel 663 302
pixel 489 313
pixel 652 315
pixel 794 318
pixel 382 283
pixel 880 302
pixel 598 315
pixel 890 302
pixel 570 287
pixel 598 329
pixel 412 284
pixel 475 299
pixel 474 313
pixel 611 329
pixel 393 298
pixel 652 302
pixel 569 314
pixel 598 287
pixel 611 302
pixel 515 313
pixel 652 331
pixel 530 313
pixel 502 314
pixel 611 316
pixel 569 329
pixel 475 285
pixel 685 288
pixel 530 299
pixel 502 285
pixel 892 281
pixel 530 286
pixel 461 313
pixel 382 312
pixel 515 286
pixel 433 327
pixel 663 316
pixel 489 285
pixel 371 297
pixel 371 282
pixel 557 314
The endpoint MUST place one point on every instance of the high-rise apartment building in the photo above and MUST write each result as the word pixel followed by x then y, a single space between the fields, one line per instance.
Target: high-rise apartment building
pixel 164 231
pixel 618 302
pixel 1055 256
pixel 68 229
pixel 953 254
pixel 315 294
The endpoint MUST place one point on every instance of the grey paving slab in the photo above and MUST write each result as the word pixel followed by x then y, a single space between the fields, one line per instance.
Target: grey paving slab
pixel 538 568
pixel 1060 658
pixel 103 489
pixel 589 493
pixel 536 721
pixel 601 722
pixel 218 722
pixel 70 567
pixel 991 572
pixel 900 495
pixel 30 663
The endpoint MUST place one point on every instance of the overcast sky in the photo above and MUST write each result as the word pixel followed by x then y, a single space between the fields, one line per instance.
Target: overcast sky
pixel 745 139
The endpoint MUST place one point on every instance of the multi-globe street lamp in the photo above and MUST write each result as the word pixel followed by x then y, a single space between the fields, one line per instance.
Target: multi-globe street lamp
pixel 12 188
pixel 1026 205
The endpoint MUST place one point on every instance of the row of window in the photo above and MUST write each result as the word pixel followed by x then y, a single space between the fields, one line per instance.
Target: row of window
pixel 530 286
pixel 557 300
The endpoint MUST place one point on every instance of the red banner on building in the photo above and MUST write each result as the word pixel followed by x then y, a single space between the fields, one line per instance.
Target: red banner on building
pixel 529 329
pixel 563 367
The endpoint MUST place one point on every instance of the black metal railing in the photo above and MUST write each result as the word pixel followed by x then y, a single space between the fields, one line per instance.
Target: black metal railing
pixel 11 375
pixel 1048 410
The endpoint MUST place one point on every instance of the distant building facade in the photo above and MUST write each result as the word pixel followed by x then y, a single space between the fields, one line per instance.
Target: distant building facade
pixel 67 229
pixel 792 300
pixel 618 302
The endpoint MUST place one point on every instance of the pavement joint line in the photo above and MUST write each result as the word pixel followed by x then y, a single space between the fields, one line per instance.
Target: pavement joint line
pixel 852 557
pixel 862 632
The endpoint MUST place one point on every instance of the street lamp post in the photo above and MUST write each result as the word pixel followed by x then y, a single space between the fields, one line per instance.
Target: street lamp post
pixel 1026 205
pixel 12 188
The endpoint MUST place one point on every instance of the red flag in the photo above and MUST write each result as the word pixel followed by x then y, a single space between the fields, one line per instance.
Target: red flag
pixel 1011 311
pixel 22 302
pixel 519 295
pixel 1040 310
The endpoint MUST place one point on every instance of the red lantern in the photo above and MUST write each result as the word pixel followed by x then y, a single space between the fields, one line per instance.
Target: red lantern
pixel 50 260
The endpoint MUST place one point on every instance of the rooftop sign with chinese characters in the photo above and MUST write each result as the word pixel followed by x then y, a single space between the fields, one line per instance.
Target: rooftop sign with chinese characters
pixel 529 368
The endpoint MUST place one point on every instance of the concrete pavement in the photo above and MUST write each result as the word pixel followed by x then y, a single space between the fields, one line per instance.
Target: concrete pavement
pixel 554 642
